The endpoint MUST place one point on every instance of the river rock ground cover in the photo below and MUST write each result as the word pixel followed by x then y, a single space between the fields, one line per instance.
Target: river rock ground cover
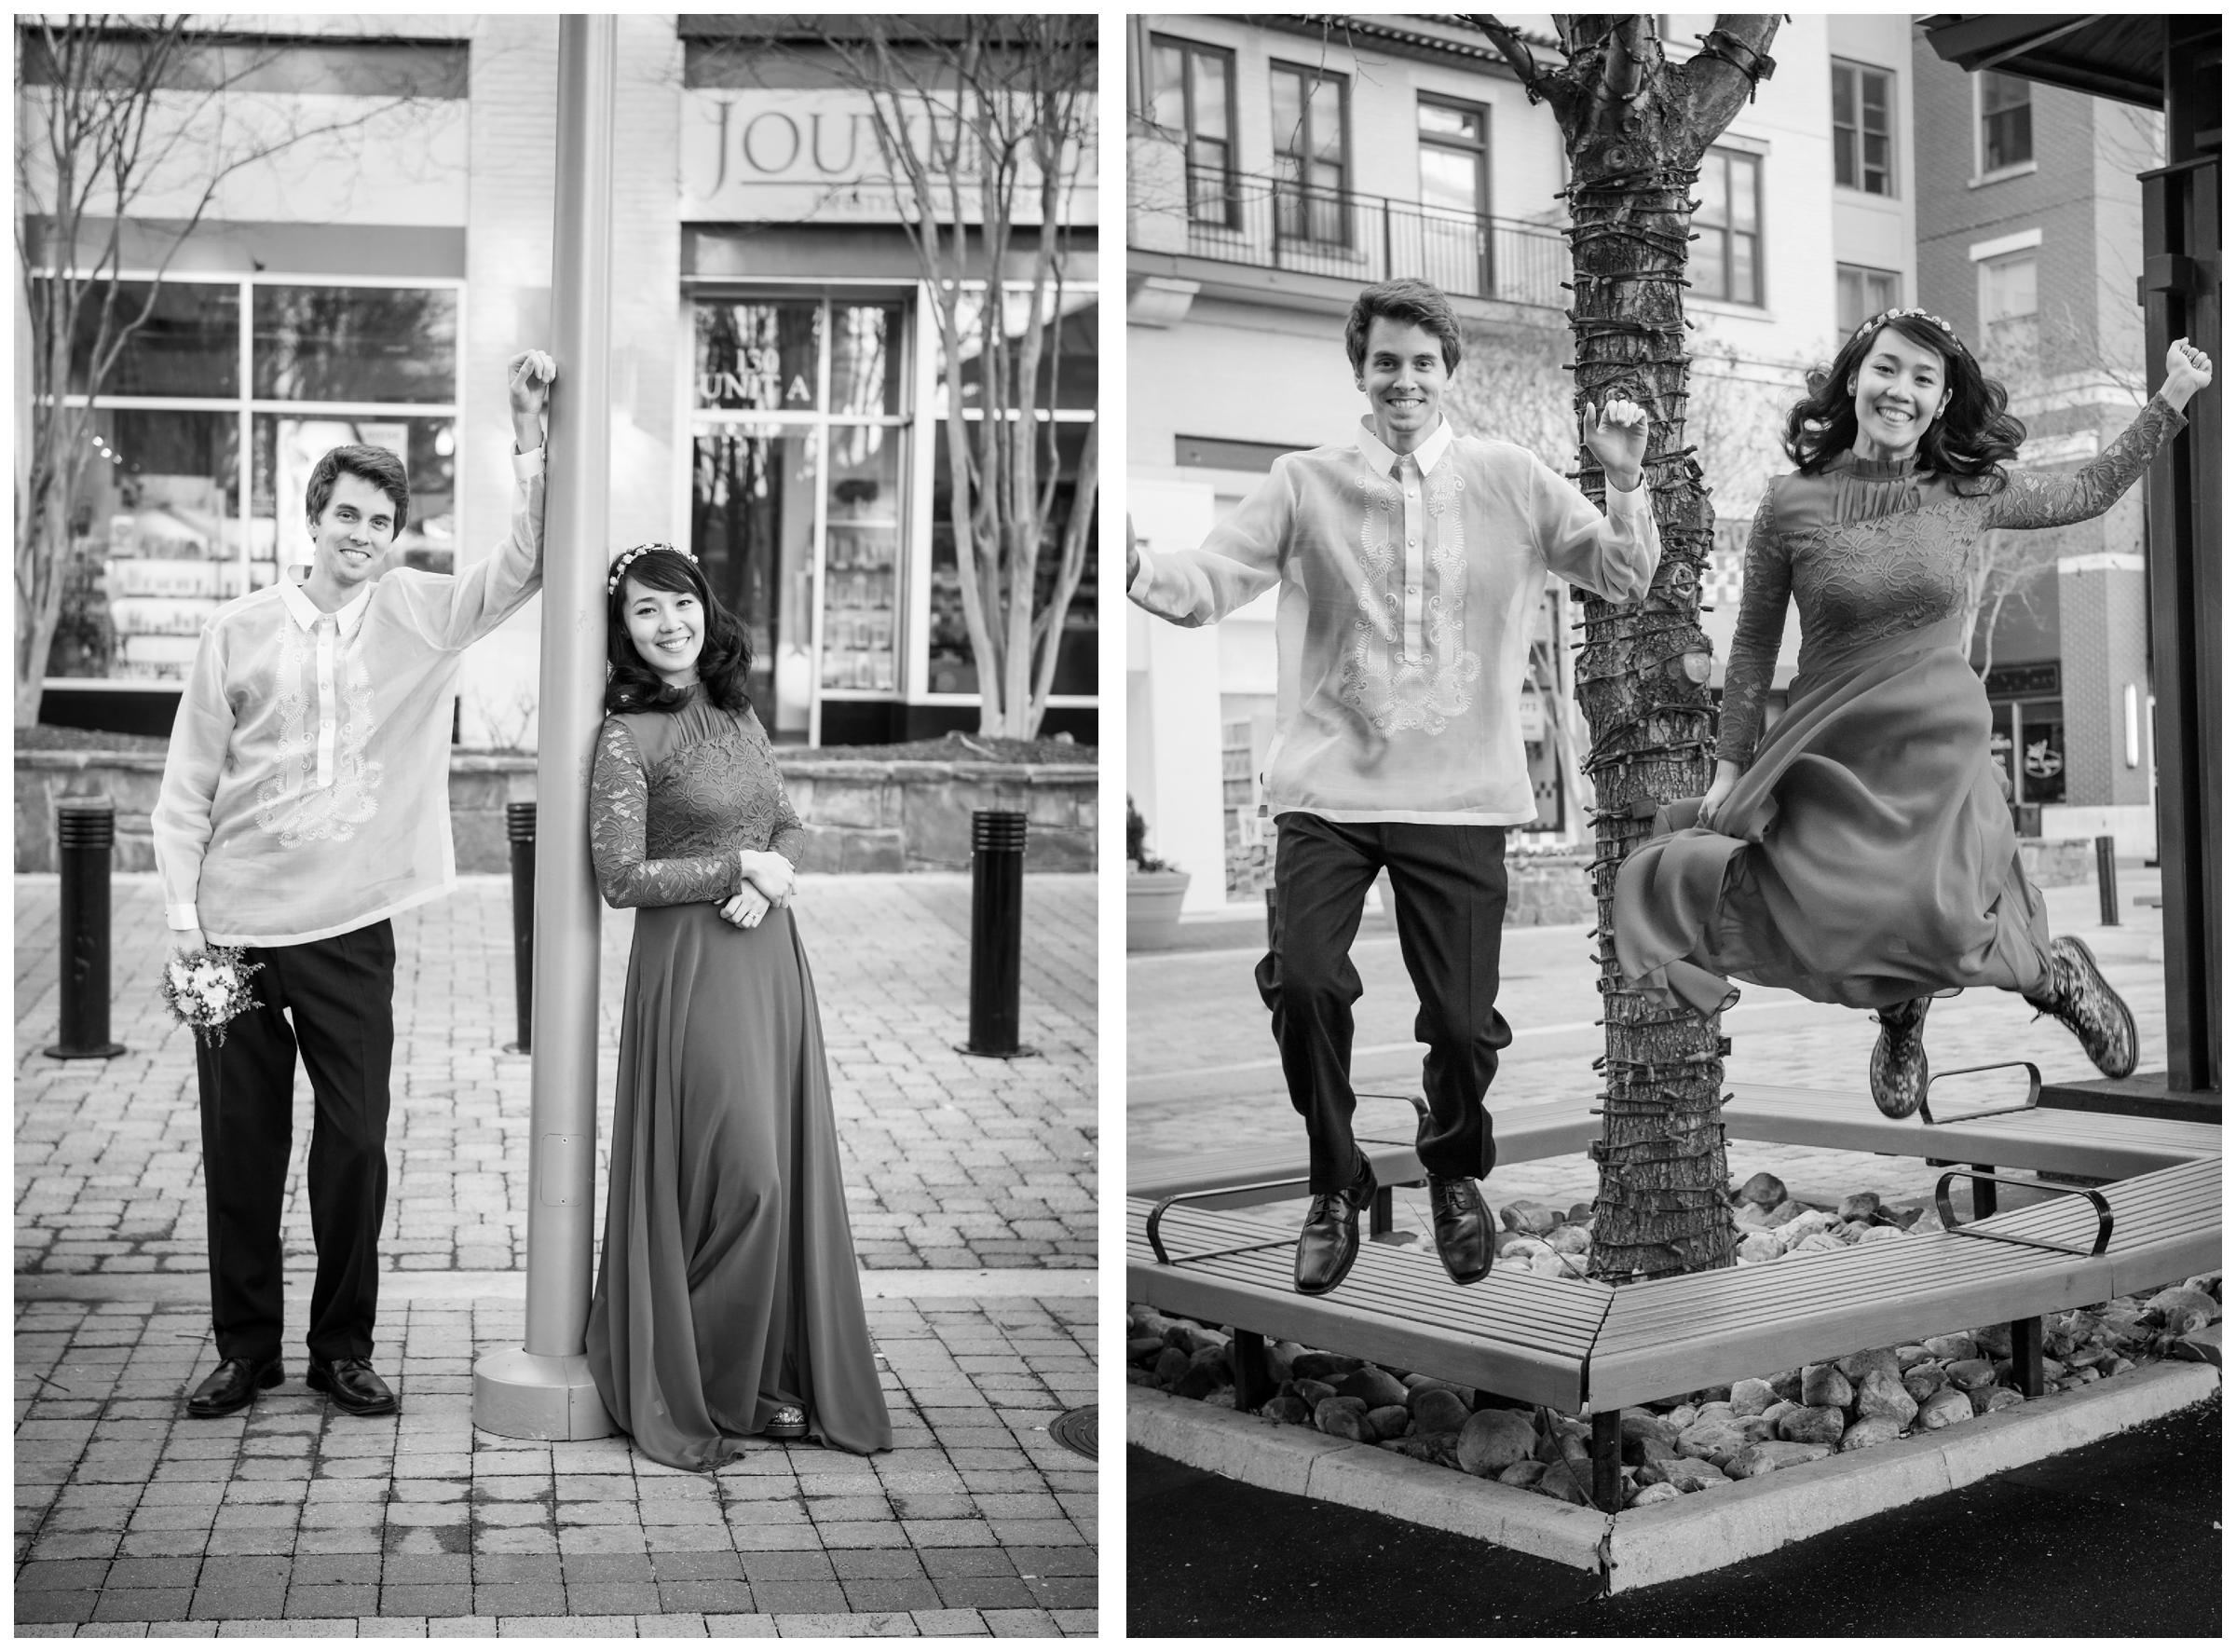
pixel 1687 1443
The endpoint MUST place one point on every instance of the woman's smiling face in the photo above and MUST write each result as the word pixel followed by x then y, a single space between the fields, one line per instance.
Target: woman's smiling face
pixel 667 628
pixel 1900 390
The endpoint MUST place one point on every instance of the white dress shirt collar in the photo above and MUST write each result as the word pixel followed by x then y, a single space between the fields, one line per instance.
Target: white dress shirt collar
pixel 305 612
pixel 1381 456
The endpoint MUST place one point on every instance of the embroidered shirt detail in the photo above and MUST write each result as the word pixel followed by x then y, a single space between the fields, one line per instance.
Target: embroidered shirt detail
pixel 1395 688
pixel 299 804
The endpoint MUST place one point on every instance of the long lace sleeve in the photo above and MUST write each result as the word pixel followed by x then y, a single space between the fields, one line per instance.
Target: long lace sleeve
pixel 618 807
pixel 2052 501
pixel 1765 584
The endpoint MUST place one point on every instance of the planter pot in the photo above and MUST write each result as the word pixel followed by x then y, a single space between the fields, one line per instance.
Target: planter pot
pixel 1153 909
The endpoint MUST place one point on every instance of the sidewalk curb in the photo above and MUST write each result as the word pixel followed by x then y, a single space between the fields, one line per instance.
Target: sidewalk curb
pixel 190 1289
pixel 1667 1541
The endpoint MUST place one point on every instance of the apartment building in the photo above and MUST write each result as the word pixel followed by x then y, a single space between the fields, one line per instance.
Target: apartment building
pixel 2030 240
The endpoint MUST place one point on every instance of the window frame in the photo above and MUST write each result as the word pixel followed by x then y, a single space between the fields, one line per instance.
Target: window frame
pixel 246 407
pixel 1989 342
pixel 1982 171
pixel 1894 282
pixel 1726 233
pixel 1231 217
pixel 1305 191
pixel 1850 142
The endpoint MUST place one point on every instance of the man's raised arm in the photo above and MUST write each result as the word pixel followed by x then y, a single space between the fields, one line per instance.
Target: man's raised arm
pixel 482 598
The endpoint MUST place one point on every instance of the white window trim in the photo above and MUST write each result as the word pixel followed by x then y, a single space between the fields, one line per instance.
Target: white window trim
pixel 1980 251
pixel 1980 173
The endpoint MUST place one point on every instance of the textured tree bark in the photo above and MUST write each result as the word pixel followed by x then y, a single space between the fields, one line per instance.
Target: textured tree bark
pixel 1636 128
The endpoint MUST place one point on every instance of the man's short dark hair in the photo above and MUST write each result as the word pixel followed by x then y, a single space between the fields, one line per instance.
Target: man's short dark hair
pixel 375 465
pixel 1416 303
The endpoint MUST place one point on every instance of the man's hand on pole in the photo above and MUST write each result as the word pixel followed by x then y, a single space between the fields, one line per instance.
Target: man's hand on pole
pixel 528 378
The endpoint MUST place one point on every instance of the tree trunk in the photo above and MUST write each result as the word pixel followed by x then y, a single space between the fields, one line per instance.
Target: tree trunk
pixel 1635 130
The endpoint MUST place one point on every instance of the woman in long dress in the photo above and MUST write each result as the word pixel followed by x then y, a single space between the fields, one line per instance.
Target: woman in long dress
pixel 727 1303
pixel 1864 852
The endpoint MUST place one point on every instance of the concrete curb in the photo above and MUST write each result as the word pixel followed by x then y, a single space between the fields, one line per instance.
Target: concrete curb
pixel 185 1290
pixel 1666 1541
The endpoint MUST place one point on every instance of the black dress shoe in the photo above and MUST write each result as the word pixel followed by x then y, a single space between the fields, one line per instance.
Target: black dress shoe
pixel 1462 1227
pixel 353 1385
pixel 1330 1243
pixel 232 1385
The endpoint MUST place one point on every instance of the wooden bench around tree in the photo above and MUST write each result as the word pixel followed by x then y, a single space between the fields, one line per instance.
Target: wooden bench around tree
pixel 1590 1348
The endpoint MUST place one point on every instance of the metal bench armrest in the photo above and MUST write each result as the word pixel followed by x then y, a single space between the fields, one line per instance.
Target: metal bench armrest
pixel 1950 1226
pixel 2034 1093
pixel 1156 1216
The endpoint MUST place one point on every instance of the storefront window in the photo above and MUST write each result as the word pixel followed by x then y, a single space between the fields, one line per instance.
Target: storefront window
pixel 156 545
pixel 799 489
pixel 355 344
pixel 753 524
pixel 188 346
pixel 954 668
pixel 1068 358
pixel 160 538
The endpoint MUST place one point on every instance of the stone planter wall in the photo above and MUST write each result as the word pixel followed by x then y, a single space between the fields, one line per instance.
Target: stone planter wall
pixel 862 816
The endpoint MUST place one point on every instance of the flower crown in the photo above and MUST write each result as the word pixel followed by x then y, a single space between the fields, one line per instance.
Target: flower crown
pixel 620 563
pixel 1887 315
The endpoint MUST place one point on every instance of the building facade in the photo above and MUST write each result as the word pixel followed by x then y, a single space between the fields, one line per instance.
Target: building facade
pixel 2029 238
pixel 777 389
pixel 1277 164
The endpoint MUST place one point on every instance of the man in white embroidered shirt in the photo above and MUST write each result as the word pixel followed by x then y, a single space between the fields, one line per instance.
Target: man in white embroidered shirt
pixel 1410 563
pixel 304 803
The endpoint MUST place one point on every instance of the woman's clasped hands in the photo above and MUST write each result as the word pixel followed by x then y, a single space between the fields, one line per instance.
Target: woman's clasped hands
pixel 768 882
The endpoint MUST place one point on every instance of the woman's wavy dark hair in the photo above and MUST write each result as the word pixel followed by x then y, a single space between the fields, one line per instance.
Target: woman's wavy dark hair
pixel 725 656
pixel 1970 440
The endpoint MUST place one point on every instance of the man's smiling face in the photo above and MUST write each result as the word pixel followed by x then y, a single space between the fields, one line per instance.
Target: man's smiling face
pixel 1404 378
pixel 352 536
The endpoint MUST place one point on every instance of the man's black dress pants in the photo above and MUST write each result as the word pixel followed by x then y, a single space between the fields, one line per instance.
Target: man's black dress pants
pixel 1451 887
pixel 340 994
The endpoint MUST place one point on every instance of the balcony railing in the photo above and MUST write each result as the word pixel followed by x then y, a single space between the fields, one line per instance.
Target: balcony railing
pixel 1278 223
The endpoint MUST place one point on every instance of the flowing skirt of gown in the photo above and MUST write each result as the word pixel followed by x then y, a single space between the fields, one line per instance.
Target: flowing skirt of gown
pixel 726 1285
pixel 1867 856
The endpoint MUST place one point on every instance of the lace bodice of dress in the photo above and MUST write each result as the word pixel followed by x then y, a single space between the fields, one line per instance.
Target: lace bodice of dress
pixel 676 795
pixel 1870 549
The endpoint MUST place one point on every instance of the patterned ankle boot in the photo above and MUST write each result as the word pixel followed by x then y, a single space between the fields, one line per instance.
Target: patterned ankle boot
pixel 2076 993
pixel 1898 1060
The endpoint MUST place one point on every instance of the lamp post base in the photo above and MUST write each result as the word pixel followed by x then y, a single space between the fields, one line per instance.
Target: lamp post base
pixel 525 1396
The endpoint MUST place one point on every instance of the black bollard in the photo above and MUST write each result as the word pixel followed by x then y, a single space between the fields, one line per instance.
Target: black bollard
pixel 85 831
pixel 997 930
pixel 2107 884
pixel 520 830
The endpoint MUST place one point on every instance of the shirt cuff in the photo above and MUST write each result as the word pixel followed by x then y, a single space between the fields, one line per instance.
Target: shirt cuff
pixel 1630 498
pixel 182 916
pixel 1140 588
pixel 527 467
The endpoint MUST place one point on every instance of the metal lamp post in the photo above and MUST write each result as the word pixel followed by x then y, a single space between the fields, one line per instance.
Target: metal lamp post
pixel 542 1390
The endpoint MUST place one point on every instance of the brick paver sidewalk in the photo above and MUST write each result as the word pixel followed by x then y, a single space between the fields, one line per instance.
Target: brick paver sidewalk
pixel 971 1186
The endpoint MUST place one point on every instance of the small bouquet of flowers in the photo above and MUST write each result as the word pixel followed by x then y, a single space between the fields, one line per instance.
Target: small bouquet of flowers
pixel 206 990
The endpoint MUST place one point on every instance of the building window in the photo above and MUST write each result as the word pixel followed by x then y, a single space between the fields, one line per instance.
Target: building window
pixel 1726 260
pixel 2006 122
pixel 1865 293
pixel 2007 308
pixel 180 440
pixel 1862 122
pixel 798 484
pixel 1310 169
pixel 1456 196
pixel 1068 388
pixel 1192 93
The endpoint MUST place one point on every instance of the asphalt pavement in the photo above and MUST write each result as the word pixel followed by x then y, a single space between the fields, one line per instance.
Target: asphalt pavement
pixel 2122 1537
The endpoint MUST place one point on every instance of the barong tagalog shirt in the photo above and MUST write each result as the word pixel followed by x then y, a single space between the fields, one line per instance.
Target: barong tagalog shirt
pixel 307 789
pixel 1409 590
